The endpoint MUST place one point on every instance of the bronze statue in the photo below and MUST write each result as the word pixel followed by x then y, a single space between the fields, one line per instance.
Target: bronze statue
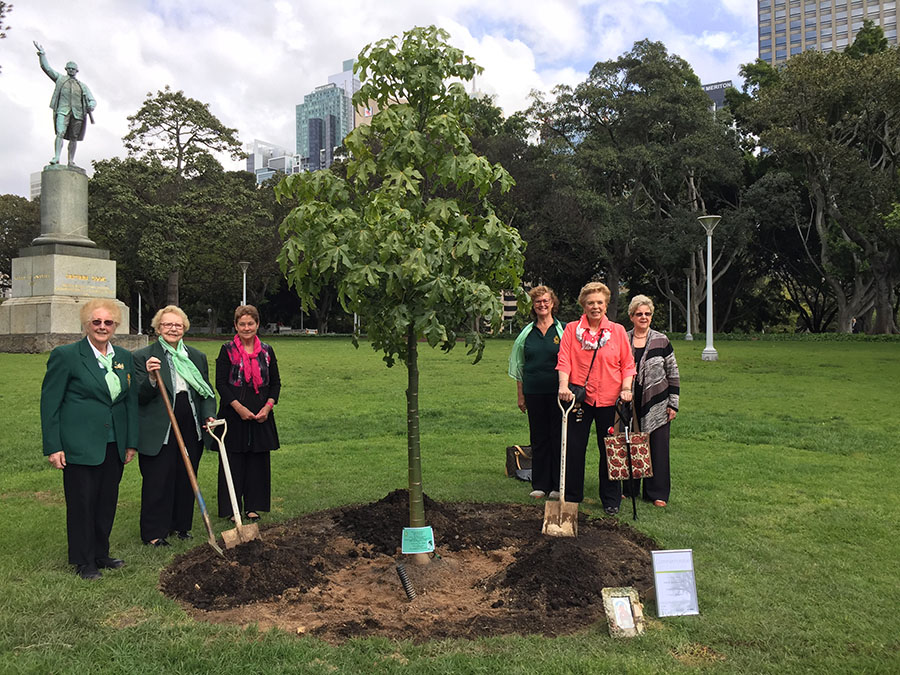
pixel 72 102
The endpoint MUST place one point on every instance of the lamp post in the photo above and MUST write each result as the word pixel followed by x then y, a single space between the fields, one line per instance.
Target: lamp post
pixel 687 275
pixel 244 265
pixel 140 325
pixel 709 224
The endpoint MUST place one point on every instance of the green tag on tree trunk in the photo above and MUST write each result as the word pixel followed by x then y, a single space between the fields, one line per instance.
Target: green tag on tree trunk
pixel 417 540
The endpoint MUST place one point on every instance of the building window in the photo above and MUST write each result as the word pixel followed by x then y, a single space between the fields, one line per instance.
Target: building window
pixel 795 25
pixel 796 50
pixel 858 11
pixel 826 31
pixel 765 17
pixel 766 56
pixel 781 54
pixel 810 36
pixel 780 13
pixel 765 30
pixel 826 46
pixel 842 42
pixel 779 27
pixel 780 41
pixel 765 44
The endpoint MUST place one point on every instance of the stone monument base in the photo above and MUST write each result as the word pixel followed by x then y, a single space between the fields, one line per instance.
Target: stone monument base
pixel 37 343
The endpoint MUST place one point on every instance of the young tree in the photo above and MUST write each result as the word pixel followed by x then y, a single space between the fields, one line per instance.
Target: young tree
pixel 408 238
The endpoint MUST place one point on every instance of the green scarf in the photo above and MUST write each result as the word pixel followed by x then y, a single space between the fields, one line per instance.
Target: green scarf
pixel 186 368
pixel 112 380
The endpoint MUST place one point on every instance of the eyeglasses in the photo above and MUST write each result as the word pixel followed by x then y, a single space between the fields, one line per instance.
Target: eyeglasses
pixel 643 314
pixel 103 322
pixel 168 326
pixel 542 302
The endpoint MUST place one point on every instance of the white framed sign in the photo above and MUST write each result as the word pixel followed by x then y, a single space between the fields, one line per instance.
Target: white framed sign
pixel 676 588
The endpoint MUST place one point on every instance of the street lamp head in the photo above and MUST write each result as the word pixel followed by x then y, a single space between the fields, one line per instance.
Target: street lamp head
pixel 709 223
pixel 244 265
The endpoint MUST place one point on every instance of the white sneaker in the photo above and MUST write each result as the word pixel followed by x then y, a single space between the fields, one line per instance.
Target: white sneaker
pixel 554 494
pixel 537 494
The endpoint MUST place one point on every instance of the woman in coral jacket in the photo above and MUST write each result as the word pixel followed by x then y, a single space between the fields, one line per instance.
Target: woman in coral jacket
pixel 594 354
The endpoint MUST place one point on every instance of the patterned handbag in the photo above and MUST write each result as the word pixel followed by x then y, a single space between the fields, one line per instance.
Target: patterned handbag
pixel 617 454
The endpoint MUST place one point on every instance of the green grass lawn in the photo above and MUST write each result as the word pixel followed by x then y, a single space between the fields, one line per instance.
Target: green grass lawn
pixel 785 469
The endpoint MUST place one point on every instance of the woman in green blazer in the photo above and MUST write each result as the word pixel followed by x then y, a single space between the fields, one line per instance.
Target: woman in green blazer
pixel 90 430
pixel 167 499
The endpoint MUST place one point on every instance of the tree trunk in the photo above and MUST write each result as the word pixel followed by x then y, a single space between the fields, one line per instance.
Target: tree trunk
pixel 884 306
pixel 416 499
pixel 416 494
pixel 172 288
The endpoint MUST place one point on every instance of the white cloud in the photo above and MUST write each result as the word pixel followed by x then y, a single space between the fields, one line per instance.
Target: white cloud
pixel 253 62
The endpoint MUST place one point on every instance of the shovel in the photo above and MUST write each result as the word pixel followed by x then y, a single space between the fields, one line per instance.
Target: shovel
pixel 561 518
pixel 242 533
pixel 625 416
pixel 187 466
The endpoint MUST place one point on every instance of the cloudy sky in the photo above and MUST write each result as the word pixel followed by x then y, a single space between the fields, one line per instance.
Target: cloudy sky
pixel 252 62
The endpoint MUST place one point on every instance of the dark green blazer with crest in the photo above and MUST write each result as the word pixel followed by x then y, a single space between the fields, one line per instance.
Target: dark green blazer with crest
pixel 154 420
pixel 76 408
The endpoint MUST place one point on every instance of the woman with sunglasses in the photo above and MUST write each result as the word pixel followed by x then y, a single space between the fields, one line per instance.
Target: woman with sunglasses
pixel 532 364
pixel 656 389
pixel 89 425
pixel 167 498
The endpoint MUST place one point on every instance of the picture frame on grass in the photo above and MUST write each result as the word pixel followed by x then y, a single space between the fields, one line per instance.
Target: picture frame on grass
pixel 624 611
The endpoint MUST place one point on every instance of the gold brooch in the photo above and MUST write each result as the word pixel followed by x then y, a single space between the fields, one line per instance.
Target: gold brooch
pixel 119 366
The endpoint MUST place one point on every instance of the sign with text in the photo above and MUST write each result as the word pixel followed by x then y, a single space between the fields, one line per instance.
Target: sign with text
pixel 676 588
pixel 417 540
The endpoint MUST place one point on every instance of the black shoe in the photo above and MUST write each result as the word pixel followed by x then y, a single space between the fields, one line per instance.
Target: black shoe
pixel 183 534
pixel 157 542
pixel 611 510
pixel 88 572
pixel 110 563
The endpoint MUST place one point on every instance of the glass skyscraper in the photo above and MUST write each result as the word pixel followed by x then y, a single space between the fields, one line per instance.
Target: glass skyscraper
pixel 325 117
pixel 788 27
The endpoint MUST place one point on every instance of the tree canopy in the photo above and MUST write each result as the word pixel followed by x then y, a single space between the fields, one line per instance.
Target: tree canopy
pixel 409 238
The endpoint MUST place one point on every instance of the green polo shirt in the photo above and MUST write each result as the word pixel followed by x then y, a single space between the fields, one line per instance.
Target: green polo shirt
pixel 539 374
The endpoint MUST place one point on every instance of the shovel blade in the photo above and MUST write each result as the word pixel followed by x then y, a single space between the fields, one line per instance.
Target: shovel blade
pixel 560 519
pixel 240 535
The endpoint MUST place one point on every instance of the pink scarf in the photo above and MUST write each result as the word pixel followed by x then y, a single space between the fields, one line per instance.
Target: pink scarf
pixel 249 362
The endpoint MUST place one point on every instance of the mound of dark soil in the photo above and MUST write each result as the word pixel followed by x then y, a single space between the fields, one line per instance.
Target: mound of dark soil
pixel 333 573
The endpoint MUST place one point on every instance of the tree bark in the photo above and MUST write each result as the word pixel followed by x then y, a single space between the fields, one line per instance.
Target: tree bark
pixel 172 288
pixel 416 499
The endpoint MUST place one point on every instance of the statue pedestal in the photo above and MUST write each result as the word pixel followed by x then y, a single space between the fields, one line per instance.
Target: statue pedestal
pixel 59 272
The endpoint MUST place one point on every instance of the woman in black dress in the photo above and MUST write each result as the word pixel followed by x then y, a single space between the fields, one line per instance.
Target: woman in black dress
pixel 248 384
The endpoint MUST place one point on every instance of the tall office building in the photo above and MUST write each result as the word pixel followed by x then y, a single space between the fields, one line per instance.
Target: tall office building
pixel 788 27
pixel 325 117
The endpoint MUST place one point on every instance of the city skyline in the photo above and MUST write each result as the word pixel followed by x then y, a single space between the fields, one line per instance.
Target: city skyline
pixel 253 65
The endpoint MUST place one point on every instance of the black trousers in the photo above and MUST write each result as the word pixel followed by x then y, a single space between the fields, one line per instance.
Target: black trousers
pixel 167 498
pixel 251 473
pixel 660 485
pixel 545 425
pixel 91 496
pixel 579 432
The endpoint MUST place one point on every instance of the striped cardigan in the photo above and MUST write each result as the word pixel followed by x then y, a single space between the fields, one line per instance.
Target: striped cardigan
pixel 659 380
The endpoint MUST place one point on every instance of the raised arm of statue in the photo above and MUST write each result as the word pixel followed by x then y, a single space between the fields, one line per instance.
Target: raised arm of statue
pixel 45 66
